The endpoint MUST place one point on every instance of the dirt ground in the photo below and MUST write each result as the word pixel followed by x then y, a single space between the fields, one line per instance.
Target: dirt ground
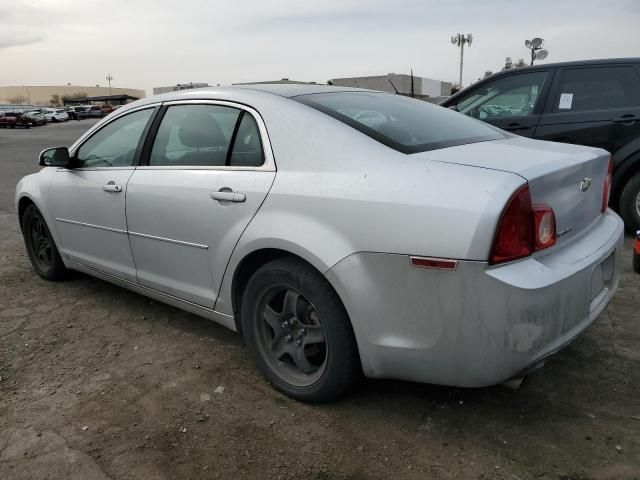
pixel 100 383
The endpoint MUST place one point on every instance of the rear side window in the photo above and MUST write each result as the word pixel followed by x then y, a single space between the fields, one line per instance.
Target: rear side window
pixel 404 124
pixel 202 135
pixel 597 88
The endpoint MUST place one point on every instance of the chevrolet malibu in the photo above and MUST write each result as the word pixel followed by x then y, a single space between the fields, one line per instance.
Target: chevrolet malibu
pixel 340 231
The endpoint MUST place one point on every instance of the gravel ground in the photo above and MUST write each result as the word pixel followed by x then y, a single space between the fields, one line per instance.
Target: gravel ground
pixel 97 382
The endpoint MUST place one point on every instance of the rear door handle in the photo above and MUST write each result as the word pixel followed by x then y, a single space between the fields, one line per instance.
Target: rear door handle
pixel 112 187
pixel 513 127
pixel 227 195
pixel 628 118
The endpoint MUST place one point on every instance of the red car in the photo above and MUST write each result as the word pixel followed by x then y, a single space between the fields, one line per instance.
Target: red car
pixel 106 109
pixel 14 119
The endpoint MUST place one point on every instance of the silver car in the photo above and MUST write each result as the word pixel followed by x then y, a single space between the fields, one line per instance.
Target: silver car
pixel 340 231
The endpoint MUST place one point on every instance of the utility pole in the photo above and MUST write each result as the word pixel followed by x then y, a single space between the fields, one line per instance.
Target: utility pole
pixel 109 78
pixel 460 39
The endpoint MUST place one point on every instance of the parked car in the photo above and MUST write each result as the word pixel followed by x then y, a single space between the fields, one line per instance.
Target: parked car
pixel 71 112
pixel 414 248
pixel 13 119
pixel 37 117
pixel 56 115
pixel 90 111
pixel 594 103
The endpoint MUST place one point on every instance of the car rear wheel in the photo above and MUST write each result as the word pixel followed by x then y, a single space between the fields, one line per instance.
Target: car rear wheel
pixel 630 204
pixel 298 331
pixel 42 250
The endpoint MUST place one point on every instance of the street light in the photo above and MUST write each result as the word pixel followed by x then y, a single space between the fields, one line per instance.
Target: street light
pixel 537 52
pixel 460 39
pixel 109 78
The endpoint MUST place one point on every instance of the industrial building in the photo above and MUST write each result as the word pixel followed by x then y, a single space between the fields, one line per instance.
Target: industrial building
pixel 178 86
pixel 420 87
pixel 53 94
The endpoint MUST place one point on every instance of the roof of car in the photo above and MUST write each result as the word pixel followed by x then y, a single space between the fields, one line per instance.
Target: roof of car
pixel 294 89
pixel 575 63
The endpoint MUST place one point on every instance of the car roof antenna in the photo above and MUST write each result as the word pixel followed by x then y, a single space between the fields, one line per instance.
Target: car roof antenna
pixel 394 87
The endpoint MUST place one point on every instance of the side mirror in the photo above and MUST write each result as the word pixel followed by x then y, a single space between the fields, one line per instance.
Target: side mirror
pixel 55 157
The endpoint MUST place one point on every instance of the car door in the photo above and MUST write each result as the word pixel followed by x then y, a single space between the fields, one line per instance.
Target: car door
pixel 512 102
pixel 208 169
pixel 597 105
pixel 88 200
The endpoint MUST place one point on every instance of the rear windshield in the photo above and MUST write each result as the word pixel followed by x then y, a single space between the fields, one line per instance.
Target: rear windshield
pixel 404 124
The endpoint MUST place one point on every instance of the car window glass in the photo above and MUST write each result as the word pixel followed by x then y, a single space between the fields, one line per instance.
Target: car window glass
pixel 194 135
pixel 511 96
pixel 247 147
pixel 115 144
pixel 597 88
pixel 404 124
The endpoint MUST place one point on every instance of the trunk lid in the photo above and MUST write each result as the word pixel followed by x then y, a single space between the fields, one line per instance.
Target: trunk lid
pixel 568 178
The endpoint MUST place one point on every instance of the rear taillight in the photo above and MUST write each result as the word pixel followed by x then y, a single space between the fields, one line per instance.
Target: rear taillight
pixel 523 229
pixel 606 188
pixel 545 226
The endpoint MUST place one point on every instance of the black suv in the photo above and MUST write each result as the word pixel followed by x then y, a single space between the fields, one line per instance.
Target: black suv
pixel 593 102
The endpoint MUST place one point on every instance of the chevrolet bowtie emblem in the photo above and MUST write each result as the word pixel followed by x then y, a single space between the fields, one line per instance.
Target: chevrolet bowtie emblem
pixel 585 183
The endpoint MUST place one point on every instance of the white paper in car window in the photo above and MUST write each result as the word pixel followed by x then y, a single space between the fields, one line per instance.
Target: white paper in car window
pixel 566 99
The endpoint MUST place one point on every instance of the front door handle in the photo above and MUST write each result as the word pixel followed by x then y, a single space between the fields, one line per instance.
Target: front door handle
pixel 228 195
pixel 112 187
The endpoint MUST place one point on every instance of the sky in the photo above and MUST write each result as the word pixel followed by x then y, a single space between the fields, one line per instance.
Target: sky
pixel 147 43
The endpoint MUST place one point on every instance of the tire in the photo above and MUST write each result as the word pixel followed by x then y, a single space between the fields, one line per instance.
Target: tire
pixel 629 205
pixel 306 318
pixel 42 250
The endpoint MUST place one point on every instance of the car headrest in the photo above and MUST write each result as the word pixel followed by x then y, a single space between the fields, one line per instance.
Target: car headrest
pixel 200 130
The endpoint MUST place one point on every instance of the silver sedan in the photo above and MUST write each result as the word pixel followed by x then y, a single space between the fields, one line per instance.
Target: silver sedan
pixel 340 231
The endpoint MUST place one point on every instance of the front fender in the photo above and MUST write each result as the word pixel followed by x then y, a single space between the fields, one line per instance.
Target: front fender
pixel 35 187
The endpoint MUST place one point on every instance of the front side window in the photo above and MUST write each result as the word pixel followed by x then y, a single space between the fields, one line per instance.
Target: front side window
pixel 511 96
pixel 404 124
pixel 597 88
pixel 114 145
pixel 202 135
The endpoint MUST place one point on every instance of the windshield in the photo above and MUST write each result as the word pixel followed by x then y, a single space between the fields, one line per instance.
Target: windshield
pixel 404 124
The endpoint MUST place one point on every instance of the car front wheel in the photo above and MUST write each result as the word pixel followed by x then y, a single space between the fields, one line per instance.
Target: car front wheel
pixel 298 331
pixel 630 204
pixel 42 250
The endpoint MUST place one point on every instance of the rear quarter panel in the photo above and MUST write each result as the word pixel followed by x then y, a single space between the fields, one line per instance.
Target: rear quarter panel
pixel 338 192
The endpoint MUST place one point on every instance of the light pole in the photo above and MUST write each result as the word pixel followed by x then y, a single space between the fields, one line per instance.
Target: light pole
pixel 28 95
pixel 537 52
pixel 459 39
pixel 109 78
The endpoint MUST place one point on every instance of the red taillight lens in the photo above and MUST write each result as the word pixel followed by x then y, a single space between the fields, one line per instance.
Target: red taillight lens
pixel 606 189
pixel 523 229
pixel 514 237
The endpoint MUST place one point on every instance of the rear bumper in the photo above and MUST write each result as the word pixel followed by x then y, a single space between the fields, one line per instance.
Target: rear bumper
pixel 477 325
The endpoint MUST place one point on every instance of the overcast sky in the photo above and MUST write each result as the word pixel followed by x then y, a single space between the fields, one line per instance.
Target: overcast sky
pixel 147 43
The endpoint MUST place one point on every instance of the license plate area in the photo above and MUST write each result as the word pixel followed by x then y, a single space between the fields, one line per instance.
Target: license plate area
pixel 602 275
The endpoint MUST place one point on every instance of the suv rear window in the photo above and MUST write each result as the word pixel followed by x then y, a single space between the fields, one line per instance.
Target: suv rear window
pixel 404 124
